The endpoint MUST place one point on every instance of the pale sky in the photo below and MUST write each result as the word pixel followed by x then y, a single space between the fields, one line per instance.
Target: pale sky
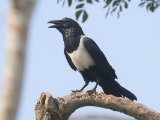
pixel 130 43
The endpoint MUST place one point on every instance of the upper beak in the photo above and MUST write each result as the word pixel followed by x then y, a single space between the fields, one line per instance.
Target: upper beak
pixel 56 23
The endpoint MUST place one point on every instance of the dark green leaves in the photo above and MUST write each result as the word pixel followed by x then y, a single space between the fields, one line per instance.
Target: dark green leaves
pixel 116 3
pixel 116 6
pixel 125 4
pixel 69 3
pixel 108 2
pixel 89 1
pixel 151 5
pixel 80 6
pixel 83 13
pixel 111 6
pixel 142 4
pixel 85 16
pixel 78 13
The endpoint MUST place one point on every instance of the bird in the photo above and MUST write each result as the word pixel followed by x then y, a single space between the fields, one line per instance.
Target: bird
pixel 84 55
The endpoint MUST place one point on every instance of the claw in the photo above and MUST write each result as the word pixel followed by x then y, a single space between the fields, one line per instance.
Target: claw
pixel 86 83
pixel 90 92
pixel 93 90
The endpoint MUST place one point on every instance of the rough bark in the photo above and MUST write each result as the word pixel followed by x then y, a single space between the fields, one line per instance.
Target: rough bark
pixel 19 17
pixel 49 108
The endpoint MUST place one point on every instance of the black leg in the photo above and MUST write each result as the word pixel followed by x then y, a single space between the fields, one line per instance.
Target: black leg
pixel 94 89
pixel 86 83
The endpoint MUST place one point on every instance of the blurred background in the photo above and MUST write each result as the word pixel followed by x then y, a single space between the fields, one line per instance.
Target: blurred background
pixel 131 43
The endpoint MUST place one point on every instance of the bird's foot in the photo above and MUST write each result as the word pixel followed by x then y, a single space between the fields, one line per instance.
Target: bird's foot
pixel 76 91
pixel 91 91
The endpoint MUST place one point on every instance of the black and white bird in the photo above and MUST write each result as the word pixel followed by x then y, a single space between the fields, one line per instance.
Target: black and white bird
pixel 83 55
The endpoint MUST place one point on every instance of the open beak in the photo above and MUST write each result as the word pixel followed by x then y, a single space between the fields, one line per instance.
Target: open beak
pixel 56 23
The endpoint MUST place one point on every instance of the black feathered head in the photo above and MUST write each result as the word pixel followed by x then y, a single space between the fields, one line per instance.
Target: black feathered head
pixel 66 26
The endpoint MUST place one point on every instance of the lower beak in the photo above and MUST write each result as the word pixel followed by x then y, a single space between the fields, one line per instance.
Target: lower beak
pixel 56 23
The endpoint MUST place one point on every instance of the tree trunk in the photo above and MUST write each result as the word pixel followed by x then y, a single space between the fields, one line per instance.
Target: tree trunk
pixel 19 17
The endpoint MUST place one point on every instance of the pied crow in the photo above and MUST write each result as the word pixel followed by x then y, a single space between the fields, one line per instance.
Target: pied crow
pixel 83 55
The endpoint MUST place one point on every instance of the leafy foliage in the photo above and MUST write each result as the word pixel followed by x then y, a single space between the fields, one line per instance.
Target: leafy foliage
pixel 112 6
pixel 116 6
pixel 81 11
pixel 151 5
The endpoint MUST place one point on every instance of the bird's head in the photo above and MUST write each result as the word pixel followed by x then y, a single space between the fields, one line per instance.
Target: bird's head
pixel 66 26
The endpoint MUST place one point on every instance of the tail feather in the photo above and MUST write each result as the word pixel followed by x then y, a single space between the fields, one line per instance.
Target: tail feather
pixel 114 88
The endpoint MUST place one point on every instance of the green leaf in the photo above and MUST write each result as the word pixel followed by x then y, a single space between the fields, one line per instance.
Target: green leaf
pixel 116 2
pixel 152 7
pixel 80 6
pixel 148 6
pixel 80 0
pixel 89 1
pixel 108 2
pixel 69 3
pixel 97 0
pixel 85 16
pixel 142 4
pixel 125 4
pixel 78 13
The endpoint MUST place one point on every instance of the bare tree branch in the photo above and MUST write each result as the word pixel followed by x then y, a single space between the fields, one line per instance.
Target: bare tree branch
pixel 49 108
pixel 19 17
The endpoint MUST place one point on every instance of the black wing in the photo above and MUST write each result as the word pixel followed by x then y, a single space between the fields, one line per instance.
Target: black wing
pixel 99 57
pixel 70 61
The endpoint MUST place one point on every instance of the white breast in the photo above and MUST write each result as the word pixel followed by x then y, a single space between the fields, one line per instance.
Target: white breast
pixel 81 58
